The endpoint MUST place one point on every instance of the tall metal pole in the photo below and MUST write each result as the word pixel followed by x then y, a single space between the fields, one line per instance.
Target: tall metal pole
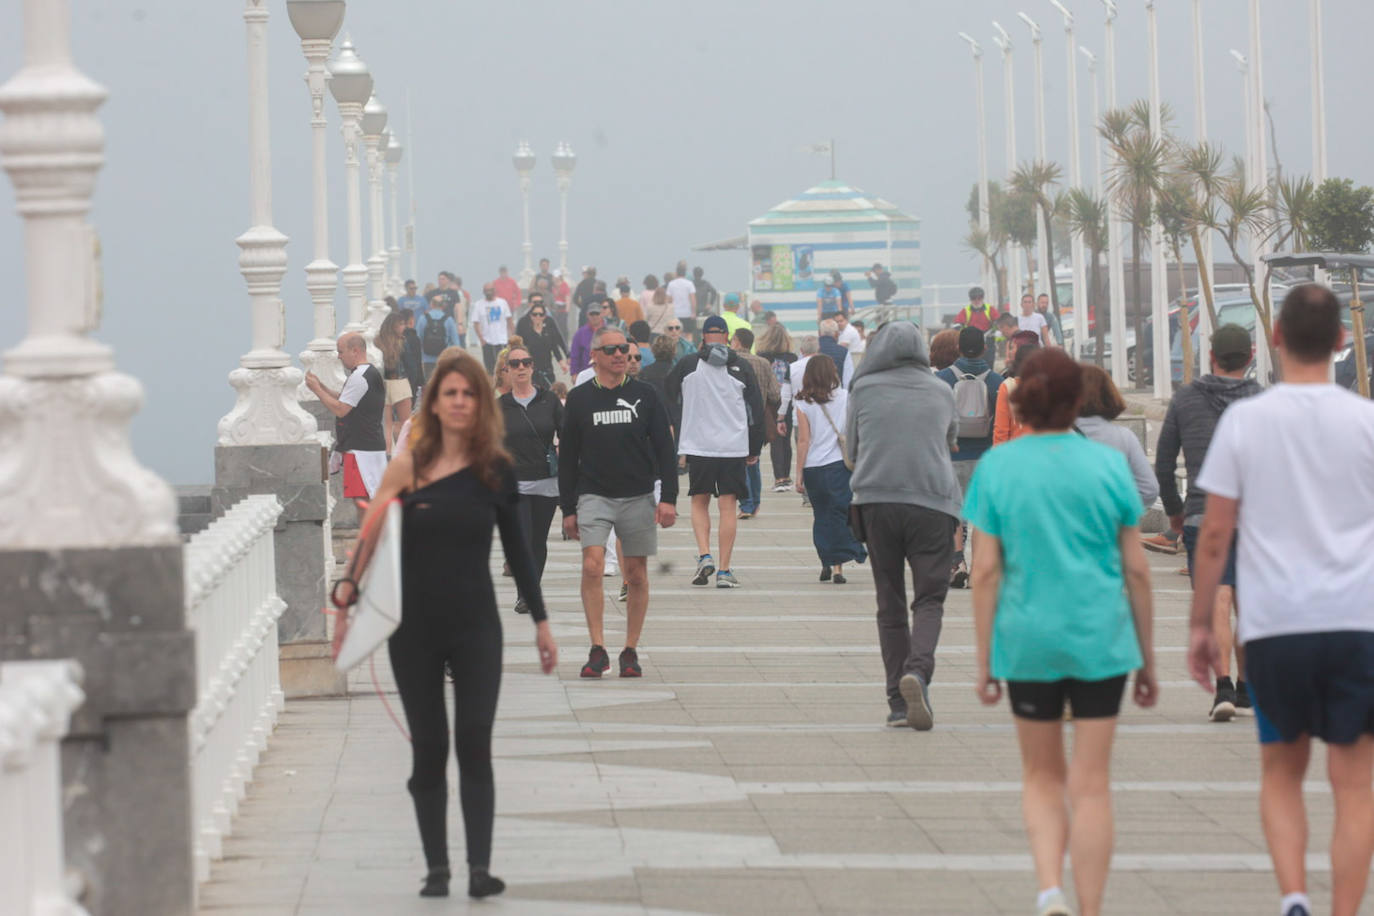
pixel 1318 94
pixel 1081 326
pixel 411 242
pixel 347 70
pixel 266 411
pixel 1259 244
pixel 1075 179
pixel 984 222
pixel 1046 269
pixel 317 23
pixel 1204 318
pixel 1117 271
pixel 393 153
pixel 1159 275
pixel 374 122
pixel 1014 252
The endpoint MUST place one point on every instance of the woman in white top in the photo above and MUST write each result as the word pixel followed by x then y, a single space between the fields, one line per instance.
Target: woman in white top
pixel 821 411
pixel 1102 403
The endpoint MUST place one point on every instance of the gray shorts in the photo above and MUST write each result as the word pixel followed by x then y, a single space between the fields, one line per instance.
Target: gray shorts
pixel 631 516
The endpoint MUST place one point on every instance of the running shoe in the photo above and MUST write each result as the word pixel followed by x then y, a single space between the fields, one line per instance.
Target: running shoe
pixel 745 515
pixel 917 697
pixel 521 606
pixel 1297 909
pixel 597 662
pixel 1224 703
pixel 1161 544
pixel 611 571
pixel 705 566
pixel 726 579
pixel 959 578
pixel 1243 697
pixel 624 590
pixel 1056 905
pixel 629 663
pixel 896 718
pixel 782 486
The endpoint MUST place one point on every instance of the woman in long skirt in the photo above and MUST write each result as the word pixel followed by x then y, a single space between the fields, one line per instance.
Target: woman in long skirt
pixel 821 411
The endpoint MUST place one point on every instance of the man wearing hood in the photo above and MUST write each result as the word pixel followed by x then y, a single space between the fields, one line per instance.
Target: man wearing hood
pixel 1189 424
pixel 901 431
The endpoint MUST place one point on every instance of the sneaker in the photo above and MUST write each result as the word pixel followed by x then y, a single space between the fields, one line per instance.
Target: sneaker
pixel 745 515
pixel 629 663
pixel 1297 909
pixel 896 718
pixel 1161 544
pixel 959 578
pixel 624 590
pixel 1224 703
pixel 597 662
pixel 826 572
pixel 611 571
pixel 1056 905
pixel 917 696
pixel 705 566
pixel 838 579
pixel 782 486
pixel 726 579
pixel 521 606
pixel 1243 697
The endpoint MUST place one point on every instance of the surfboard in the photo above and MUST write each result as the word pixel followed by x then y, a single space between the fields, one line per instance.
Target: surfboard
pixel 378 611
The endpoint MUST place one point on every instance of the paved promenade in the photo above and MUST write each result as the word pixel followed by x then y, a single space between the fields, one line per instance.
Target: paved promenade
pixel 749 771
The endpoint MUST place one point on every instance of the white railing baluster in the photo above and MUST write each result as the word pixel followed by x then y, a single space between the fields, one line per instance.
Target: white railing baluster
pixel 232 605
pixel 37 699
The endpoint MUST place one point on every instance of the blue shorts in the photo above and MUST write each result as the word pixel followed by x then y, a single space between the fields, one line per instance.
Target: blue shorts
pixel 1228 574
pixel 1318 684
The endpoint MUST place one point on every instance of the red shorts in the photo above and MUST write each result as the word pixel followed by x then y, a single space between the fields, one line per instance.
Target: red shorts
pixel 353 486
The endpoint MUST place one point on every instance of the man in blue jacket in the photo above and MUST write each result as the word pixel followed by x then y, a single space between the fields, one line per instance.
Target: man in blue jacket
pixel 975 415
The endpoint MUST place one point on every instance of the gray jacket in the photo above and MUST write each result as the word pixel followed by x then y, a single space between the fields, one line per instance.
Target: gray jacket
pixel 1189 424
pixel 901 425
pixel 1100 429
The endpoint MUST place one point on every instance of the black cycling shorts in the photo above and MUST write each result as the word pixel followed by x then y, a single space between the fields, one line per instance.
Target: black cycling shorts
pixel 717 476
pixel 1043 701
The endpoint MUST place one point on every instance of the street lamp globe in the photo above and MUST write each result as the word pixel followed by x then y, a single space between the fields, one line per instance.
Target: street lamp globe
pixel 393 150
pixel 374 118
pixel 316 20
pixel 563 158
pixel 350 82
pixel 523 158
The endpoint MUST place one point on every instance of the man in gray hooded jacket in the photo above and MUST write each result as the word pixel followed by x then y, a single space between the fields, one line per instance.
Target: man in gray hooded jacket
pixel 900 432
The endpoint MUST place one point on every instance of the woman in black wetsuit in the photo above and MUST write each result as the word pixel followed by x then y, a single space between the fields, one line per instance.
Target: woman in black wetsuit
pixel 455 482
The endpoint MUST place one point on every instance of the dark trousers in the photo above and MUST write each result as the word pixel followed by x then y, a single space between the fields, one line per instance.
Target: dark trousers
pixel 536 514
pixel 780 450
pixel 900 535
pixel 489 354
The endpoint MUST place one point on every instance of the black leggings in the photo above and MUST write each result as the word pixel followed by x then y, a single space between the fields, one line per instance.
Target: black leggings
pixel 780 450
pixel 536 514
pixel 419 670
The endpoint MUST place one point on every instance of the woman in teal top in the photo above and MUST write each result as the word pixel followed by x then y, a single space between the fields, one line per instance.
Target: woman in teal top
pixel 1061 603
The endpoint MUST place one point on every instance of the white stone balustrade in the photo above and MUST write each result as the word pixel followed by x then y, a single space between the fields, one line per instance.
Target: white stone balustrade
pixel 232 606
pixel 36 703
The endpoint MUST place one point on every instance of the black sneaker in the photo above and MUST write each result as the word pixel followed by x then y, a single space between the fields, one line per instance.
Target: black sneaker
pixel 597 662
pixel 1243 697
pixel 521 606
pixel 825 573
pixel 629 663
pixel 959 577
pixel 1297 909
pixel 897 719
pixel 1224 703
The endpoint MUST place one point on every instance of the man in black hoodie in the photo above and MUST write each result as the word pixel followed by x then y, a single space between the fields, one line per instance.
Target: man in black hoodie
pixel 1189 424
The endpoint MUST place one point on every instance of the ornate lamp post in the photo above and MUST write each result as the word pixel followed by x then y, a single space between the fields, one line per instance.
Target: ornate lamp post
pixel 351 85
pixel 317 22
pixel 266 412
pixel 373 123
pixel 393 253
pixel 564 159
pixel 1116 273
pixel 524 165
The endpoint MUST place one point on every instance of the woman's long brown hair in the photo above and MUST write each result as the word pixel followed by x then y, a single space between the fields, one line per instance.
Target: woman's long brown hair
pixel 488 429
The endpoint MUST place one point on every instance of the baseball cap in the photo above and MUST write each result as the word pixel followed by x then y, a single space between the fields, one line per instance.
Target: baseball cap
pixel 972 342
pixel 714 323
pixel 1231 340
pixel 732 298
pixel 594 308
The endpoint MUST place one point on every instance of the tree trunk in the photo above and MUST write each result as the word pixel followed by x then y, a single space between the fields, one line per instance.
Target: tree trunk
pixel 1047 270
pixel 1100 319
pixel 1185 324
pixel 1357 326
pixel 1204 281
pixel 1139 314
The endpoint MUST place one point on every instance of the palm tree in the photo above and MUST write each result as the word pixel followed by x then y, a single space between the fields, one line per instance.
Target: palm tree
pixel 1034 180
pixel 1135 176
pixel 985 246
pixel 1087 217
pixel 1200 165
pixel 1177 211
pixel 1244 210
pixel 1018 221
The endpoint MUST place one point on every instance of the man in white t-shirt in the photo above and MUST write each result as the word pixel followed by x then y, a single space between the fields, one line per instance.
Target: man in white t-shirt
pixel 847 337
pixel 1031 320
pixel 1290 467
pixel 494 323
pixel 683 292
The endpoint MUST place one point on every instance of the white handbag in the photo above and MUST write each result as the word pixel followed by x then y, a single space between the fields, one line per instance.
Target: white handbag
pixel 378 611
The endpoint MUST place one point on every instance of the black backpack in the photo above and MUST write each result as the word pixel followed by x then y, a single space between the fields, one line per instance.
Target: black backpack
pixel 436 336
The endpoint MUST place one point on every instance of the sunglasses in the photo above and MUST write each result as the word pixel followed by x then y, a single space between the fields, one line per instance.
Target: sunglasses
pixel 520 363
pixel 637 358
pixel 612 349
pixel 536 314
pixel 674 327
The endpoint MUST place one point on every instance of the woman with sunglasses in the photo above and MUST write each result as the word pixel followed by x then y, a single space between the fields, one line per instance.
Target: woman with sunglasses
pixel 543 341
pixel 533 417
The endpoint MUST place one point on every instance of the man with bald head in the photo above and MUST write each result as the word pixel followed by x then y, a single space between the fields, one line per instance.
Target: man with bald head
pixel 360 406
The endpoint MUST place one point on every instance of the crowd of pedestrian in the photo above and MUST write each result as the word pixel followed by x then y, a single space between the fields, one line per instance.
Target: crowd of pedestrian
pixel 983 458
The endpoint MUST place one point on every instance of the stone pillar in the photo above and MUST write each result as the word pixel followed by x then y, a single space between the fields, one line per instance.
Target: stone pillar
pixel 90 557
pixel 267 442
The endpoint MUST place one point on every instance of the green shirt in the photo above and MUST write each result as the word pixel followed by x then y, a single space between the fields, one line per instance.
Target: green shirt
pixel 1058 504
pixel 734 322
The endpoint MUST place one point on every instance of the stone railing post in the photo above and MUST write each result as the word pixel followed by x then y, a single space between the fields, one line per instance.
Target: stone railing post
pixel 90 557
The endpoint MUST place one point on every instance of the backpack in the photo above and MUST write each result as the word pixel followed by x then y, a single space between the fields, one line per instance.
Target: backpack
pixel 435 338
pixel 971 405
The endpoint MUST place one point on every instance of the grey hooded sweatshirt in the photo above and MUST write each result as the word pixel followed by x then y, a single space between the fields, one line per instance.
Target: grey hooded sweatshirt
pixel 901 425
pixel 1188 425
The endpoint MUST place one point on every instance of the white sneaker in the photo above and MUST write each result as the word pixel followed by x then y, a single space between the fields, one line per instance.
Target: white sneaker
pixel 612 569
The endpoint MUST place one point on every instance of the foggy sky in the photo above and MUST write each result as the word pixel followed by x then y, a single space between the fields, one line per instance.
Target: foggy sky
pixel 687 121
